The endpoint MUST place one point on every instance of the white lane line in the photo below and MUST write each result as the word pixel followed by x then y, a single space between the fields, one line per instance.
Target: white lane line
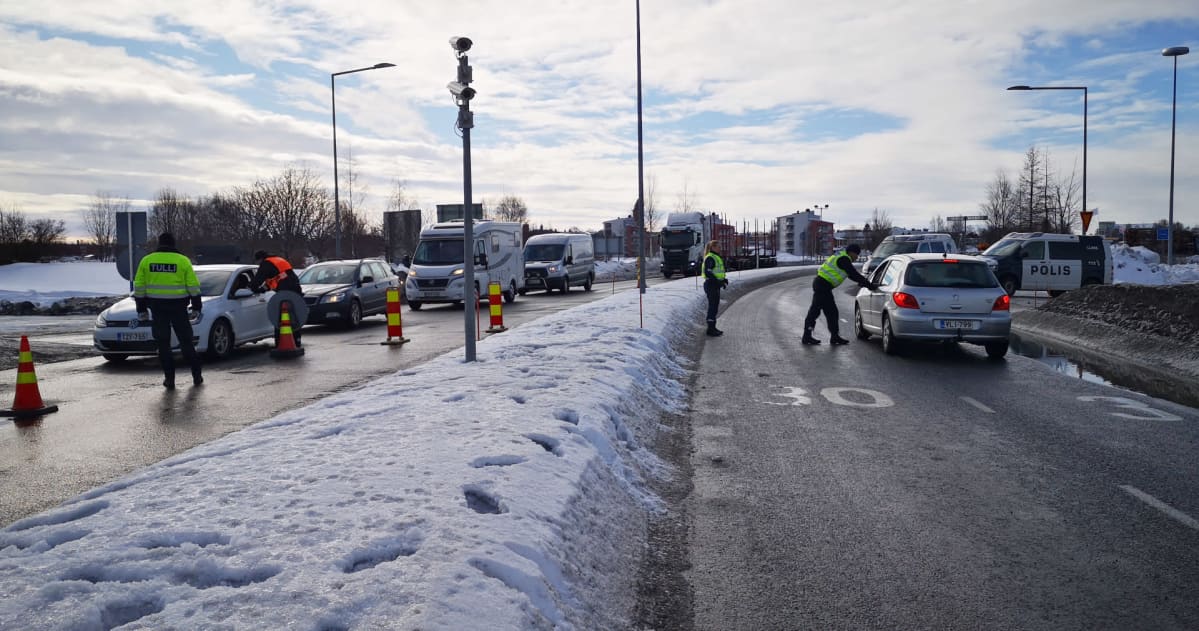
pixel 1177 515
pixel 978 405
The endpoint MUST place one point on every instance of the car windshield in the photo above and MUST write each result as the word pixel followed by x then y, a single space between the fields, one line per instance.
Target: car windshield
pixel 212 282
pixel 328 275
pixel 438 252
pixel 887 248
pixel 958 275
pixel 1005 247
pixel 544 252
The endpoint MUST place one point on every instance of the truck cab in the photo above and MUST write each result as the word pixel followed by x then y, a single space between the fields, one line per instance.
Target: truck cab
pixel 683 241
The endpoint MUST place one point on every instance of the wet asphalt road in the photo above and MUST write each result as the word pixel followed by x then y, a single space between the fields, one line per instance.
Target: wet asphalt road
pixel 839 488
pixel 114 418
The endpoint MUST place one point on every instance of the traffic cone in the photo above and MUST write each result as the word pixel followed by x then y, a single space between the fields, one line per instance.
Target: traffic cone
pixel 286 348
pixel 28 400
pixel 395 330
pixel 495 302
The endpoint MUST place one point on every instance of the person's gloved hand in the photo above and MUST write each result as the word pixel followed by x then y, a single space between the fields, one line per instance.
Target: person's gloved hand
pixel 143 316
pixel 724 283
pixel 258 290
pixel 197 305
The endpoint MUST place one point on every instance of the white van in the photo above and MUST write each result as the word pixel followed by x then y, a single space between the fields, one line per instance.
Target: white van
pixel 1041 261
pixel 436 273
pixel 935 242
pixel 559 260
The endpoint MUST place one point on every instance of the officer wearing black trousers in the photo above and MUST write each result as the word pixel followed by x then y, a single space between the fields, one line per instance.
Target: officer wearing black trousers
pixel 164 286
pixel 835 270
pixel 714 281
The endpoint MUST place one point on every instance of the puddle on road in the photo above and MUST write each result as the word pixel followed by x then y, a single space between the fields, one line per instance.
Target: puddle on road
pixel 1108 373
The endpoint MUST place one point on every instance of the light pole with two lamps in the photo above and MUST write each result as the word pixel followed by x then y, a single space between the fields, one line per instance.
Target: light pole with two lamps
pixel 1175 52
pixel 1084 130
pixel 336 196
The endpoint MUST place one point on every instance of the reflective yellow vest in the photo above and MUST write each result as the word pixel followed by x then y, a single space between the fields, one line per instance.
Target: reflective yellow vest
pixel 830 272
pixel 718 267
pixel 165 275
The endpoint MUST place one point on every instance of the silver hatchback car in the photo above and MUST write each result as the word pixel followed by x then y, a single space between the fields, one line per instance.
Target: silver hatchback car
pixel 935 297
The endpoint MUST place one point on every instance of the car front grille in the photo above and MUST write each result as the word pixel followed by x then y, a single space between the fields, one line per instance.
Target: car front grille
pixel 432 283
pixel 535 273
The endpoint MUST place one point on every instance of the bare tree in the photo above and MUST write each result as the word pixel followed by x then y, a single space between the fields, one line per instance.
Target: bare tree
pixel 686 201
pixel 173 213
pixel 14 227
pixel 880 227
pixel 289 211
pixel 43 232
pixel 652 217
pixel 1001 207
pixel 512 208
pixel 100 220
pixel 938 224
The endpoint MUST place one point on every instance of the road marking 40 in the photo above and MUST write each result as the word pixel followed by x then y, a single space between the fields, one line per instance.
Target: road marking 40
pixel 799 396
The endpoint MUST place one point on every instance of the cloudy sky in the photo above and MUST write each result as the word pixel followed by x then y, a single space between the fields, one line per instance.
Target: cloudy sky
pixel 753 108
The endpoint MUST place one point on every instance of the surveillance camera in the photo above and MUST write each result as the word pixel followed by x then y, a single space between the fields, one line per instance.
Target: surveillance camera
pixel 460 44
pixel 461 91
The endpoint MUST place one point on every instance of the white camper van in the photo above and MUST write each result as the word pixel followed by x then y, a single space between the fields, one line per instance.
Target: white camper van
pixel 559 260
pixel 436 273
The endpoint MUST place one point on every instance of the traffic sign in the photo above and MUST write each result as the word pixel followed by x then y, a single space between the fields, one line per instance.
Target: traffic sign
pixel 1163 234
pixel 1086 219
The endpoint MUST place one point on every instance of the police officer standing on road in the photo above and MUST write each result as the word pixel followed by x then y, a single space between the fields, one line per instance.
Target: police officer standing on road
pixel 714 281
pixel 276 274
pixel 835 270
pixel 165 283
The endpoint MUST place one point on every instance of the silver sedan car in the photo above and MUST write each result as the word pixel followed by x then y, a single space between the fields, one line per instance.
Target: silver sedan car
pixel 934 297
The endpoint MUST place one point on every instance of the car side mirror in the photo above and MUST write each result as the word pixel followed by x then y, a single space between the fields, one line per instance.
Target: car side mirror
pixel 366 279
pixel 570 260
pixel 242 293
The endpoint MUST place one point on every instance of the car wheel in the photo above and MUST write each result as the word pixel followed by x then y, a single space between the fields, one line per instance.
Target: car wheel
pixel 415 305
pixel 858 328
pixel 890 344
pixel 355 315
pixel 1091 281
pixel 510 295
pixel 522 291
pixel 996 350
pixel 587 283
pixel 114 358
pixel 666 275
pixel 1054 293
pixel 565 287
pixel 1009 285
pixel 220 340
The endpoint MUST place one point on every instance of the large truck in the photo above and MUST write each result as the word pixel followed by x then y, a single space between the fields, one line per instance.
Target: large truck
pixel 683 240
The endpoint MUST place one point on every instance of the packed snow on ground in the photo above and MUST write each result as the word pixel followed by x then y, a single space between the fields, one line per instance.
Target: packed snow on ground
pixel 1142 266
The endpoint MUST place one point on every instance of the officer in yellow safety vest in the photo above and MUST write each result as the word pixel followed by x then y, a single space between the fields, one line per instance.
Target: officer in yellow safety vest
pixel 714 281
pixel 835 270
pixel 165 283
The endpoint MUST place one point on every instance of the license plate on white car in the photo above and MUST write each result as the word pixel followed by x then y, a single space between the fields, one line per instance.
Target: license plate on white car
pixel 957 324
pixel 135 336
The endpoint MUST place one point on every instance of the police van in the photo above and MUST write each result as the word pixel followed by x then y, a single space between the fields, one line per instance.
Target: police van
pixel 438 265
pixel 1039 261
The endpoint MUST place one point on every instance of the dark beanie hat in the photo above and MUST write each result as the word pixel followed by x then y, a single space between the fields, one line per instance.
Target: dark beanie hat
pixel 259 255
pixel 853 247
pixel 166 239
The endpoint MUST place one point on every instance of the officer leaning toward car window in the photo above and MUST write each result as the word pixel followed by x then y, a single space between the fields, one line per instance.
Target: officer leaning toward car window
pixel 276 274
pixel 831 274
pixel 714 281
pixel 165 283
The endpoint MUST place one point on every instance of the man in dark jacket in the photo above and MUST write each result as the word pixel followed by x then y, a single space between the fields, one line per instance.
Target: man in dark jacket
pixel 835 270
pixel 276 274
pixel 166 284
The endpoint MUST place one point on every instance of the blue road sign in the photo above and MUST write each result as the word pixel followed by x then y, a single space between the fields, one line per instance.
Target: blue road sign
pixel 1163 234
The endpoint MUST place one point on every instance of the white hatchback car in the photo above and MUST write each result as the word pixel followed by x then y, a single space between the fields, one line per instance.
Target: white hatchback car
pixel 233 315
pixel 935 297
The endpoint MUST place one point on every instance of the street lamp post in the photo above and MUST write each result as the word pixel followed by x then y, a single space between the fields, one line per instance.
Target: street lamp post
pixel 336 196
pixel 1084 130
pixel 463 93
pixel 1175 52
pixel 641 285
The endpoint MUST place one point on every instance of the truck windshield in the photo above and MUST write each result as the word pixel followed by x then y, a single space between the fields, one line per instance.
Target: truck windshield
pixel 544 252
pixel 438 252
pixel 1005 247
pixel 678 238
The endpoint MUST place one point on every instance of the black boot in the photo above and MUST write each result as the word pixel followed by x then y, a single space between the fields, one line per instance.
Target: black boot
pixel 713 331
pixel 808 339
pixel 169 383
pixel 197 378
pixel 838 341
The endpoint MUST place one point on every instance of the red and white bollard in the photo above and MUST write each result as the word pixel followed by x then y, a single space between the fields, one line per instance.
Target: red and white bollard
pixel 495 301
pixel 395 329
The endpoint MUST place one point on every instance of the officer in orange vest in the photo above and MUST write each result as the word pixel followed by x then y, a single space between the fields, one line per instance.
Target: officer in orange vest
pixel 276 274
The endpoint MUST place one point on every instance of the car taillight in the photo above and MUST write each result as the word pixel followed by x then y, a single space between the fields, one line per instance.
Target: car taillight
pixel 1002 303
pixel 905 301
pixel 949 260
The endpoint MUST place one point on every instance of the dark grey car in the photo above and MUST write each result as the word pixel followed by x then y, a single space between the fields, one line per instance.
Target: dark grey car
pixel 344 292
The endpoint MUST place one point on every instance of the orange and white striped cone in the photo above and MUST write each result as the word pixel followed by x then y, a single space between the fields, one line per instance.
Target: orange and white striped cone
pixel 495 301
pixel 286 348
pixel 395 328
pixel 27 401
